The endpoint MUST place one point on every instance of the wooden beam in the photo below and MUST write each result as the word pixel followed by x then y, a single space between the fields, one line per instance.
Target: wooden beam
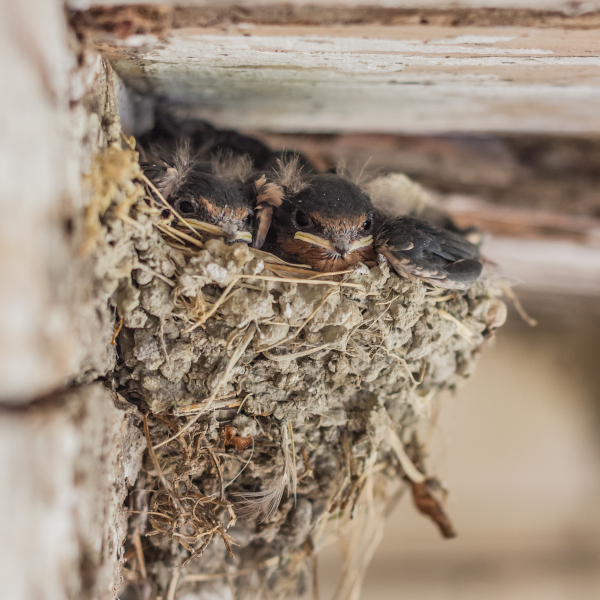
pixel 547 267
pixel 385 69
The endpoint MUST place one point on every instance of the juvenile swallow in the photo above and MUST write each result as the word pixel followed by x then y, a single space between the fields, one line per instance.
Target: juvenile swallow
pixel 324 221
pixel 330 223
pixel 210 197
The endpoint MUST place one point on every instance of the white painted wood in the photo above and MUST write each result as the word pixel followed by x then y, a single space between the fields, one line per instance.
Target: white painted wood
pixel 547 267
pixel 33 107
pixel 374 78
pixel 54 323
pixel 537 251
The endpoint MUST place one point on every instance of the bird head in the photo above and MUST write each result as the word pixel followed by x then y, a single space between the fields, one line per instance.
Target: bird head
pixel 328 224
pixel 215 206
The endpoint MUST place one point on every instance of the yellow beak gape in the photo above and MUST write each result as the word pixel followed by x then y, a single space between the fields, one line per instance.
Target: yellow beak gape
pixel 244 236
pixel 366 241
pixel 319 241
pixel 313 239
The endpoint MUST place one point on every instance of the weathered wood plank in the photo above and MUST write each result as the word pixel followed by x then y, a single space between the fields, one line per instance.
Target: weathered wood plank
pixel 558 174
pixel 559 7
pixel 281 70
pixel 538 251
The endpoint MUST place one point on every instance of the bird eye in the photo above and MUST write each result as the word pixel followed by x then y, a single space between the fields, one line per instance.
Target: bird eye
pixel 186 208
pixel 301 219
pixel 367 224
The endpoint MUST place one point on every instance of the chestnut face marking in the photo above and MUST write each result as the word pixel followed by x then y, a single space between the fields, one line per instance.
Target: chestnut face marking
pixel 324 260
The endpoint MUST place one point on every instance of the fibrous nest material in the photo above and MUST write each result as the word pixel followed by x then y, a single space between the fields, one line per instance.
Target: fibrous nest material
pixel 274 400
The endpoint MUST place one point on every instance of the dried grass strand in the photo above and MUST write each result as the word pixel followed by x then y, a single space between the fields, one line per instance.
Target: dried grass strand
pixel 518 306
pixel 405 462
pixel 162 199
pixel 165 482
pixel 222 298
pixel 202 577
pixel 139 552
pixel 173 584
pixel 177 234
pixel 308 281
pixel 461 328
pixel 279 357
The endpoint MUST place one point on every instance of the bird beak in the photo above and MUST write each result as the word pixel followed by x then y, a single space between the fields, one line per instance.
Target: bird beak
pixel 362 243
pixel 231 234
pixel 314 239
pixel 243 236
pixel 342 247
pixel 341 243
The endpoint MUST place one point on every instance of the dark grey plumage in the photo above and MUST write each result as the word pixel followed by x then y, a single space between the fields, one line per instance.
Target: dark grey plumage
pixel 416 248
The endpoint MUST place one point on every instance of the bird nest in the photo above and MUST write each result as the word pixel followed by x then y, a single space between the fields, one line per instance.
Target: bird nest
pixel 274 399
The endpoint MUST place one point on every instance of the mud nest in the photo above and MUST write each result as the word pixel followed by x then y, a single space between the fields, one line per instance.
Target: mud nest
pixel 274 399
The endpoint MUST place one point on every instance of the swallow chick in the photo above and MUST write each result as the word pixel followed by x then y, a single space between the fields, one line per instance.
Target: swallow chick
pixel 329 223
pixel 323 220
pixel 209 196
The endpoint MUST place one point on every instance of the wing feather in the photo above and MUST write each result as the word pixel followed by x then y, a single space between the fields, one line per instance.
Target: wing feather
pixel 416 248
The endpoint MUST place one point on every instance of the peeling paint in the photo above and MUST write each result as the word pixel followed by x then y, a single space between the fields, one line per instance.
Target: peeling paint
pixel 344 45
pixel 377 78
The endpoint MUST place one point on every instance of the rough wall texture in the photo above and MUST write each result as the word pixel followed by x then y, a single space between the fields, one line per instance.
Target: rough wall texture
pixel 55 325
pixel 64 466
pixel 66 457
pixel 34 189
